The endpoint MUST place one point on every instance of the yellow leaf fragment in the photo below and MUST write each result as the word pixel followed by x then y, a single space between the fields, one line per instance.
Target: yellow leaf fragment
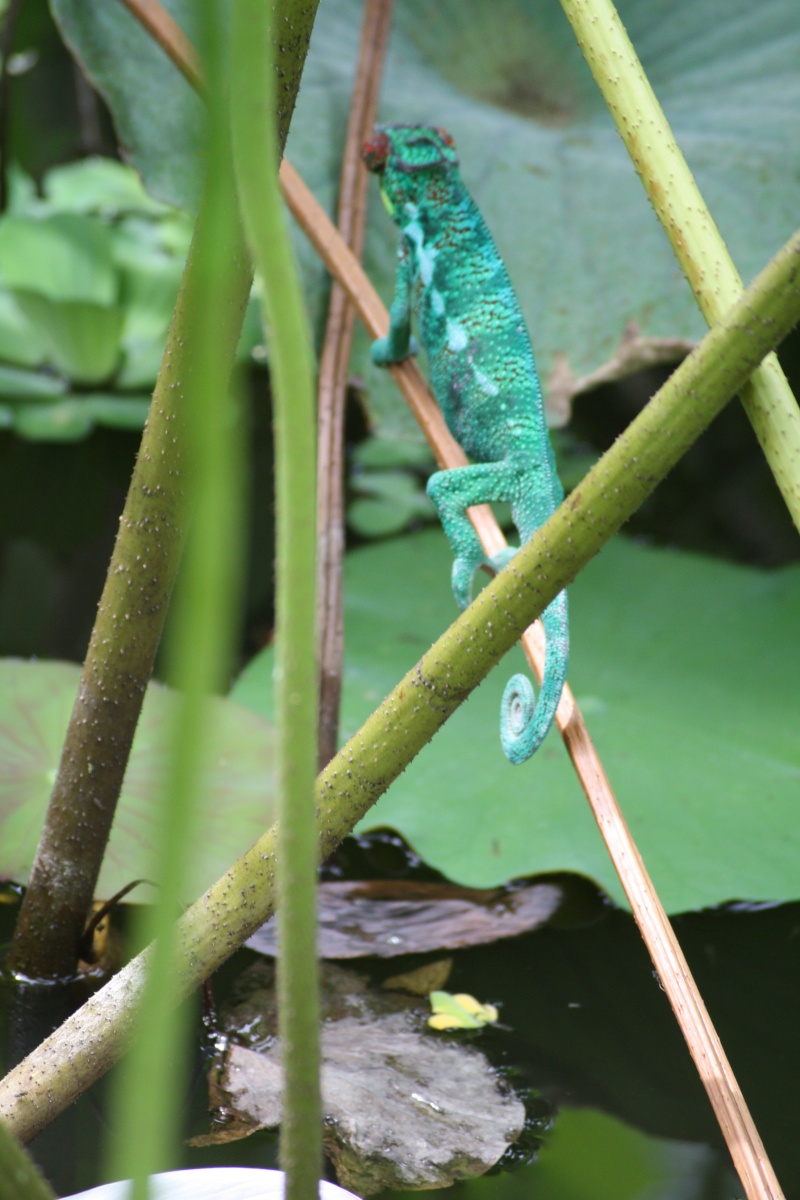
pixel 461 1011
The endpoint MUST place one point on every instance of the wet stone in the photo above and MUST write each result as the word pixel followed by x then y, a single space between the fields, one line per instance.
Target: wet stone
pixel 404 1107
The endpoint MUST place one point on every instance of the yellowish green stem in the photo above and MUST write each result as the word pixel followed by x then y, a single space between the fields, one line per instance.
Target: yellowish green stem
pixel 681 209
pixel 291 369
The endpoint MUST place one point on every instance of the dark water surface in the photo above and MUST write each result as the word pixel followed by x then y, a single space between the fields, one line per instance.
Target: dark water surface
pixel 589 1037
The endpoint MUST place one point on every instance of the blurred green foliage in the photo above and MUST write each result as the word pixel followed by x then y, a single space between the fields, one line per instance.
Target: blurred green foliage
pixel 89 273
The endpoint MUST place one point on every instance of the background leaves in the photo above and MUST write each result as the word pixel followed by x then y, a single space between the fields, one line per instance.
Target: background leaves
pixel 547 168
pixel 89 274
pixel 538 148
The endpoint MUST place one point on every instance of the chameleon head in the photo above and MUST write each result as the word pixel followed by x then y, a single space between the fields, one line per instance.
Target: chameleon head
pixel 409 148
pixel 400 154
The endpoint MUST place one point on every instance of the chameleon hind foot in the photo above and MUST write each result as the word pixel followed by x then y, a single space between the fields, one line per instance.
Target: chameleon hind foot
pixel 516 714
pixel 461 578
pixel 464 569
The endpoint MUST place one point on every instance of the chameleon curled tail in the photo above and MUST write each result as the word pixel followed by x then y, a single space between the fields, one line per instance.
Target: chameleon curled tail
pixel 524 718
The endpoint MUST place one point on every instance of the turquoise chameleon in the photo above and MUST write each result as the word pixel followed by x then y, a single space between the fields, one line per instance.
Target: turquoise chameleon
pixel 483 374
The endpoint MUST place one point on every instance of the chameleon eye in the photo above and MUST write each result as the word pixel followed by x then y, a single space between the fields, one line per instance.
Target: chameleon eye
pixel 376 151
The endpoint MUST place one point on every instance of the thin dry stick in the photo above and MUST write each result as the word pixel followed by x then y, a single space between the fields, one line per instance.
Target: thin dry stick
pixel 737 1126
pixel 152 15
pixel 334 363
pixel 739 1131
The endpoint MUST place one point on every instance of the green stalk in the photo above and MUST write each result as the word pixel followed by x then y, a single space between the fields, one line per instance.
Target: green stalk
pixel 149 1092
pixel 233 908
pixel 20 1178
pixel 681 209
pixel 256 156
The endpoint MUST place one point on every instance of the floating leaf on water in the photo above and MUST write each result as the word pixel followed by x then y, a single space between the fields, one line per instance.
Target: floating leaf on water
pixel 388 918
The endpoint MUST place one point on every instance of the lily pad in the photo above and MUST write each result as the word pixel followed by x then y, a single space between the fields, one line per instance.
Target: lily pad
pixel 686 670
pixel 389 501
pixel 19 342
pixel 73 417
pixel 62 268
pixel 67 420
pixel 19 385
pixel 401 916
pixel 36 699
pixel 403 1108
pixel 81 339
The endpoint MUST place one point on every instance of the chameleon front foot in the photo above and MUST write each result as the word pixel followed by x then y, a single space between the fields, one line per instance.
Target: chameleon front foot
pixel 464 572
pixel 385 351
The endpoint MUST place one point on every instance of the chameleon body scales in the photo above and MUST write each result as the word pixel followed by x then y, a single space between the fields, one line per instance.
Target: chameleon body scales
pixel 483 375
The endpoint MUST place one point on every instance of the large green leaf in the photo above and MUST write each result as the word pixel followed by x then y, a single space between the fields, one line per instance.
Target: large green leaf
pixel 73 417
pixel 59 270
pixel 99 185
pixel 158 117
pixel 93 269
pixel 23 386
pixel 35 702
pixel 544 161
pixel 537 146
pixel 687 671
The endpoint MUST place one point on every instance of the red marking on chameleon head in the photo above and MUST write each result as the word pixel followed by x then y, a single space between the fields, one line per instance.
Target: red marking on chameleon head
pixel 445 136
pixel 376 151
